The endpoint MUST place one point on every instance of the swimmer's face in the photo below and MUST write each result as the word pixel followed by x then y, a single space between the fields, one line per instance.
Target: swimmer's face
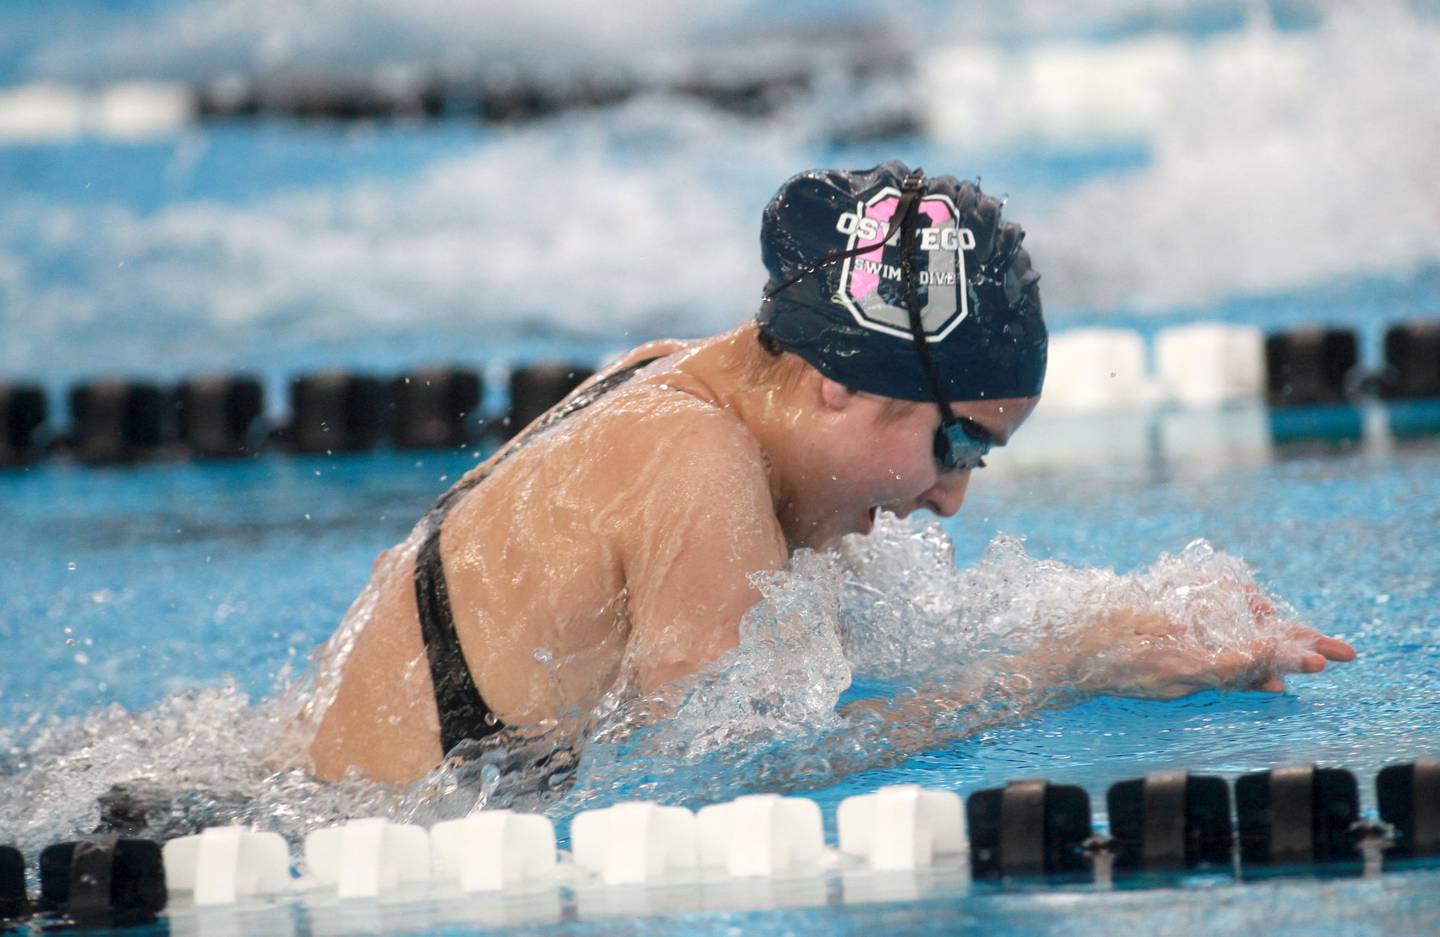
pixel 884 458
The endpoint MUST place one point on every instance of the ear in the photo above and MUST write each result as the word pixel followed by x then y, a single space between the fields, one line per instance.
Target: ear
pixel 834 395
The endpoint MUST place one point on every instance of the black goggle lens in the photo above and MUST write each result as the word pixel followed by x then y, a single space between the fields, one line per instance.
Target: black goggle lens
pixel 961 443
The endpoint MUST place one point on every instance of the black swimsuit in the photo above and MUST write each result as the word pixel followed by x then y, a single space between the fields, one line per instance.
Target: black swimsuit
pixel 463 713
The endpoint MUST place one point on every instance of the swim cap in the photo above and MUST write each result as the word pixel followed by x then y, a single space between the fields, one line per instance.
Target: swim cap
pixel 847 310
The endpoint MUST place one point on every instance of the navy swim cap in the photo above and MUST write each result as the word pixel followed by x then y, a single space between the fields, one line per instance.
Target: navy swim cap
pixel 846 310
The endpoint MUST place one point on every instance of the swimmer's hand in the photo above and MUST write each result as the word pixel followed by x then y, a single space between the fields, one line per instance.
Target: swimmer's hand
pixel 1145 654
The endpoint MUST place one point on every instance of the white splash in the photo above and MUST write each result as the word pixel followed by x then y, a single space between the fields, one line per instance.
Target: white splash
pixel 558 225
pixel 206 38
pixel 1279 161
pixel 890 608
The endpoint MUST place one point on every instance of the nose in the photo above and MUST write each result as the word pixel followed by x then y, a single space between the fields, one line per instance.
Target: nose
pixel 948 492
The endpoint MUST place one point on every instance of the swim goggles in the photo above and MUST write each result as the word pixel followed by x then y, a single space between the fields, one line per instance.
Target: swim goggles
pixel 960 442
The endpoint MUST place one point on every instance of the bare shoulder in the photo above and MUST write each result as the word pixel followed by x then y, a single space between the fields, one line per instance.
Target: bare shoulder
pixel 671 458
pixel 675 431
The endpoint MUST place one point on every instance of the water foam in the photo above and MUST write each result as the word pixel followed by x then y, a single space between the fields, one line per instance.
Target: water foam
pixel 891 610
pixel 201 40
pixel 560 225
pixel 1279 161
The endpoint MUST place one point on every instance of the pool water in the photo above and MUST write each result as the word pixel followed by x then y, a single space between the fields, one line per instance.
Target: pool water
pixel 151 582
pixel 1267 164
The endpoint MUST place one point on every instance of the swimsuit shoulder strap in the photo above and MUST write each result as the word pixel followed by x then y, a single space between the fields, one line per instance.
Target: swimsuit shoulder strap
pixel 464 714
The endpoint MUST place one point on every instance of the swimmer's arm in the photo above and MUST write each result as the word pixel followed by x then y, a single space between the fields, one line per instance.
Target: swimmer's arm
pixel 1123 653
pixel 1142 653
pixel 707 524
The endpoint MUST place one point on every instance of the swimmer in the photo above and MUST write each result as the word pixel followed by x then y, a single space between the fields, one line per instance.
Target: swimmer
pixel 612 543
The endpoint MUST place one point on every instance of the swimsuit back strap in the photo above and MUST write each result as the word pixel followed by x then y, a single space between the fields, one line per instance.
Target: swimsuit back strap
pixel 463 712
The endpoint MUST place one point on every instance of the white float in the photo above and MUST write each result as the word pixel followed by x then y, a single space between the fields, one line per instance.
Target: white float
pixel 1208 363
pixel 225 863
pixel 142 110
pixel 633 843
pixel 494 850
pixel 902 826
pixel 1096 369
pixel 762 834
pixel 367 857
pixel 41 113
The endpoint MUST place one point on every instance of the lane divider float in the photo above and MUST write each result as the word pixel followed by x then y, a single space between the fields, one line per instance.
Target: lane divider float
pixel 1299 385
pixel 767 848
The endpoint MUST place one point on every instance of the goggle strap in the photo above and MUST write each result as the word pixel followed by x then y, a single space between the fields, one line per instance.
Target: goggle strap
pixel 914 187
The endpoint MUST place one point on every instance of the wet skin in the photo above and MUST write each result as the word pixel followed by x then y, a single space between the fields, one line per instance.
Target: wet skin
pixel 617 552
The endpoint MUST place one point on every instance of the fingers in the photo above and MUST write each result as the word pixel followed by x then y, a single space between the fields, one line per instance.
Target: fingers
pixel 1334 649
pixel 1325 649
pixel 1331 648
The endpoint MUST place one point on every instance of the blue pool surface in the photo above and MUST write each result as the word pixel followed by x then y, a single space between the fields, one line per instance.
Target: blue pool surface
pixel 145 582
pixel 152 615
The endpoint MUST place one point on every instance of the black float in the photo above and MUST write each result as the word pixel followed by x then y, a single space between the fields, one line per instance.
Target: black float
pixel 1028 828
pixel 537 388
pixel 117 421
pixel 217 415
pixel 1297 815
pixel 1409 798
pixel 348 100
pixel 1169 821
pixel 1309 366
pixel 14 903
pixel 103 881
pixel 335 411
pixel 1412 360
pixel 22 412
pixel 432 407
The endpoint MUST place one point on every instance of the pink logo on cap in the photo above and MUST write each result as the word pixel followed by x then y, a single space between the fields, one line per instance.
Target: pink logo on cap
pixel 944 243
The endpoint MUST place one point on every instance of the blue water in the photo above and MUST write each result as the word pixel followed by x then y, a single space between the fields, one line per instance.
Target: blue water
pixel 142 582
pixel 280 247
pixel 145 581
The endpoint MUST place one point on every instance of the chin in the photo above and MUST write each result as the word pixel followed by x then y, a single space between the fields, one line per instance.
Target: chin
pixel 862 525
pixel 825 536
